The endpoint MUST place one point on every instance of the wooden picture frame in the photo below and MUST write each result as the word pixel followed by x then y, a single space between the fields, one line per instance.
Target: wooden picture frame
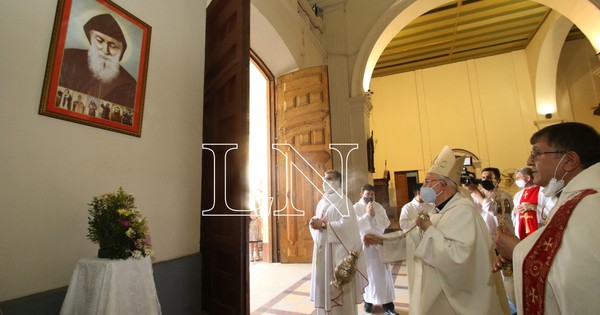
pixel 97 66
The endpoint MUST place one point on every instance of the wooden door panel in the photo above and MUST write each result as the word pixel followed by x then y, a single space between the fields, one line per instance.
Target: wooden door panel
pixel 302 121
pixel 224 258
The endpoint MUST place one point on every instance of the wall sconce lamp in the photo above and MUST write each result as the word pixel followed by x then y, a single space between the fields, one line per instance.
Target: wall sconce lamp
pixel 548 116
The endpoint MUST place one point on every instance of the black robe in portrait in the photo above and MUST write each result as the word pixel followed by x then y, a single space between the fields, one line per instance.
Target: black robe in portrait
pixel 76 75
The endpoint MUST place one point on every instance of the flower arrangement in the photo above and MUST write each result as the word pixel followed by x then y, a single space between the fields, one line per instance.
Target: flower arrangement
pixel 118 226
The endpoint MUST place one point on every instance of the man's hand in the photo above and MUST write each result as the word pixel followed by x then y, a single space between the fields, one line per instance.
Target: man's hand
pixel 371 239
pixel 370 209
pixel 524 207
pixel 317 223
pixel 505 243
pixel 499 261
pixel 470 187
pixel 423 221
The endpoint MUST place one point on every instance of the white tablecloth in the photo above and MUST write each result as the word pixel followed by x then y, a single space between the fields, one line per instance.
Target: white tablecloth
pixel 104 286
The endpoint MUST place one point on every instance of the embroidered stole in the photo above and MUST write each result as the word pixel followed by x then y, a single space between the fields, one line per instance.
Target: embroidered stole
pixel 538 261
pixel 528 221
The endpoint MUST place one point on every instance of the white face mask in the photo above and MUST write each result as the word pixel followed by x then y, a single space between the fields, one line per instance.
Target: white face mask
pixel 520 183
pixel 428 195
pixel 555 186
pixel 329 186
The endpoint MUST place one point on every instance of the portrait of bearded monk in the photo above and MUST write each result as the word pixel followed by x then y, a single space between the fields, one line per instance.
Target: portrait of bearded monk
pixel 98 71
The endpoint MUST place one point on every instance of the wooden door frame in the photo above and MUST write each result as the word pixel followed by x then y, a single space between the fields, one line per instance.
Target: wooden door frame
pixel 225 270
pixel 271 248
pixel 409 187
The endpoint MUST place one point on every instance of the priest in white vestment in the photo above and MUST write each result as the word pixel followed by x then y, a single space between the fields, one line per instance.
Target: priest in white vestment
pixel 453 249
pixel 410 211
pixel 556 267
pixel 408 217
pixel 334 230
pixel 372 218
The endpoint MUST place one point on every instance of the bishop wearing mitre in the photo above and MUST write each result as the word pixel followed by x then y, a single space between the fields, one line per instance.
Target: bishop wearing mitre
pixel 450 249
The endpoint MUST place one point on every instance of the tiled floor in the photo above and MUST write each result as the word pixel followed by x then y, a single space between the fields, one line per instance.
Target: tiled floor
pixel 285 289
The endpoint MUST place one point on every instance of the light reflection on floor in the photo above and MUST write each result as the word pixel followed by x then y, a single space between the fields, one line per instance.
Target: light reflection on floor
pixel 285 289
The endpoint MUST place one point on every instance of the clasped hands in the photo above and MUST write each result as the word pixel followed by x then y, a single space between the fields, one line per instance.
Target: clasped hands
pixel 524 207
pixel 370 209
pixel 423 221
pixel 317 223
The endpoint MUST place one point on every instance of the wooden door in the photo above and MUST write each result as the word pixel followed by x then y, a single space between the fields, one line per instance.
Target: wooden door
pixel 224 237
pixel 302 121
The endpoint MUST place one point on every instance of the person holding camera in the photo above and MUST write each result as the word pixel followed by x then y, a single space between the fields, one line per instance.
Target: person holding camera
pixel 489 198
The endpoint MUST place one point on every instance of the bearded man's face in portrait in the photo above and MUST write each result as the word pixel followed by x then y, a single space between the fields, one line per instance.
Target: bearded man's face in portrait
pixel 103 56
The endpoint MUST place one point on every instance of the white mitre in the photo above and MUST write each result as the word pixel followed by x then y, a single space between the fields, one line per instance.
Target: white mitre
pixel 448 165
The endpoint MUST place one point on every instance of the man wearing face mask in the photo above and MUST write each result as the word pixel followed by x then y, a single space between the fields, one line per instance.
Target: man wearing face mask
pixel 334 230
pixel 372 218
pixel 411 210
pixel 556 267
pixel 531 205
pixel 485 199
pixel 452 248
pixel 408 217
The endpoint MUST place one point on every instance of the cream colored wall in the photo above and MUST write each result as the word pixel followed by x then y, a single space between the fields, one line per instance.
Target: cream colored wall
pixel 293 37
pixel 484 106
pixel 578 90
pixel 50 168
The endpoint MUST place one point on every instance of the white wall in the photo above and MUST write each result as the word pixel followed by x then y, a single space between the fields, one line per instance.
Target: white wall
pixel 50 168
pixel 282 38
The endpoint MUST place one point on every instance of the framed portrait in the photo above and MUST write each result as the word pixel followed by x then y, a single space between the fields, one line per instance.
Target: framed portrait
pixel 97 66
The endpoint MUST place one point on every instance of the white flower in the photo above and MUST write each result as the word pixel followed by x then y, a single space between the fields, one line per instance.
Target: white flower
pixel 137 254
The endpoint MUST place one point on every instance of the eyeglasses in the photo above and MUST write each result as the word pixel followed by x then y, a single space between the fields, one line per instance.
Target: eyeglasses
pixel 534 155
pixel 427 181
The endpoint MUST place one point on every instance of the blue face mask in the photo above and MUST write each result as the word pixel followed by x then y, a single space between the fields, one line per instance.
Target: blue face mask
pixel 428 194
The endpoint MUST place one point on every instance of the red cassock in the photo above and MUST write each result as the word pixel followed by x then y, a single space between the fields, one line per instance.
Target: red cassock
pixel 528 220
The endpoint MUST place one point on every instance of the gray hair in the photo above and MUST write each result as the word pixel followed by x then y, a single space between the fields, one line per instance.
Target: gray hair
pixel 450 183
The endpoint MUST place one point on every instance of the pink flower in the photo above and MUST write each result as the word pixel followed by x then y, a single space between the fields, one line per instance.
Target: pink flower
pixel 124 223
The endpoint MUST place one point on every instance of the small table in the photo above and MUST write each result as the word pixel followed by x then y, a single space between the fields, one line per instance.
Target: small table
pixel 105 286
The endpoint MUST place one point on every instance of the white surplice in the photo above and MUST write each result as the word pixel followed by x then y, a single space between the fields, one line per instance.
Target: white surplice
pixel 573 276
pixel 381 283
pixel 331 246
pixel 409 214
pixel 452 263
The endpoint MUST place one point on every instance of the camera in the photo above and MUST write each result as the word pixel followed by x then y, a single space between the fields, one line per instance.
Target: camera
pixel 467 177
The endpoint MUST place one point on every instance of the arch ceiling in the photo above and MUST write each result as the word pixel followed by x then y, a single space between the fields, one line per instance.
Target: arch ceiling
pixel 463 29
